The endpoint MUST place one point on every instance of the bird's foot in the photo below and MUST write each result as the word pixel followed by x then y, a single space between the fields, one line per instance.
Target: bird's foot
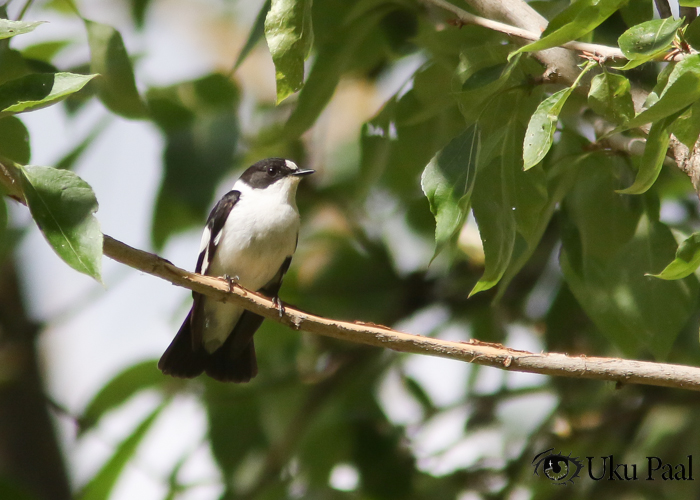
pixel 232 281
pixel 278 304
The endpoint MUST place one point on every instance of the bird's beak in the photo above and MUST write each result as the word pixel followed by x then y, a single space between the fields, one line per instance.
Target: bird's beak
pixel 303 172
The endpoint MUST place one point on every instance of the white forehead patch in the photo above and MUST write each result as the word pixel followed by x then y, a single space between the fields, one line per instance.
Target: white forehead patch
pixel 291 165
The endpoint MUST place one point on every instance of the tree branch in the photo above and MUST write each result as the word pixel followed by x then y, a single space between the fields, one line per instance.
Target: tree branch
pixel 566 69
pixel 474 351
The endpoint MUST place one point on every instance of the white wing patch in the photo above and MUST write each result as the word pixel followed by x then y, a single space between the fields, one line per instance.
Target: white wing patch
pixel 205 239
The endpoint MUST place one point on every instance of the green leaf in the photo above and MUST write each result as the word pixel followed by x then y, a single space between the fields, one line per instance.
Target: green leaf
pixel 540 131
pixel 578 19
pixel 62 205
pixel 256 33
pixel 11 28
pixel 648 38
pixel 329 64
pixel 38 90
pixel 686 262
pixel 689 3
pixel 447 182
pixel 14 140
pixel 101 485
pixel 45 51
pixel 290 36
pixel 691 34
pixel 108 57
pixel 682 90
pixel 494 207
pixel 138 11
pixel 630 308
pixel 117 391
pixel 68 161
pixel 653 157
pixel 610 97
pixel 199 120
pixel 686 128
pixel 609 243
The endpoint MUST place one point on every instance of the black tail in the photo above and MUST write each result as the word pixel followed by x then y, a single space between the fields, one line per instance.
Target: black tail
pixel 234 361
pixel 180 359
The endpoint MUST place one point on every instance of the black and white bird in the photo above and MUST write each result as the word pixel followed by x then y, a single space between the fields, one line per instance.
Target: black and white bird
pixel 251 235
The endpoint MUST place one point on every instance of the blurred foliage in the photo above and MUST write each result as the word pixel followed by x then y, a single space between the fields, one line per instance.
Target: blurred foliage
pixel 573 251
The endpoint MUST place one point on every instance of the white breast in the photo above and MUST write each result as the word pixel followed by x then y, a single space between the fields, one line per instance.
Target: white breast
pixel 259 234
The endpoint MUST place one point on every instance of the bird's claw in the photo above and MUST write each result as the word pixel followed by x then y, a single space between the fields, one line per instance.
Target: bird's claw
pixel 278 304
pixel 232 281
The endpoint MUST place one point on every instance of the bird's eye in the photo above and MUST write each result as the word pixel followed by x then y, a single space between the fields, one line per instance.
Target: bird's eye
pixel 272 171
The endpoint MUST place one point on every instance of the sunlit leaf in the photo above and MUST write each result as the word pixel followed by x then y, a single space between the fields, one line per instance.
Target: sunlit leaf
pixel 653 158
pixel 63 206
pixel 11 28
pixel 682 90
pixel 686 262
pixel 540 130
pixel 579 18
pixel 447 182
pixel 38 90
pixel 290 36
pixel 116 85
pixel 648 38
pixel 102 484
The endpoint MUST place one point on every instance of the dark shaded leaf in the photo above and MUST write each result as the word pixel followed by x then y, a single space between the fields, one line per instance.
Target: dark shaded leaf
pixel 138 11
pixel 14 140
pixel 45 51
pixel 63 206
pixel 290 36
pixel 101 485
pixel 610 97
pixel 331 61
pixel 609 244
pixel 653 158
pixel 256 33
pixel 494 209
pixel 108 57
pixel 68 161
pixel 686 262
pixel 686 128
pixel 38 90
pixel 447 182
pixel 201 134
pixel 121 388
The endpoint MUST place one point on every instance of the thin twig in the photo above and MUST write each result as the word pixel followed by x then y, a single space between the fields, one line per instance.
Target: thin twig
pixel 474 351
pixel 465 17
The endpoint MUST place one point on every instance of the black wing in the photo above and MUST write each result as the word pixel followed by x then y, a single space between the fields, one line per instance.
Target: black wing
pixel 215 223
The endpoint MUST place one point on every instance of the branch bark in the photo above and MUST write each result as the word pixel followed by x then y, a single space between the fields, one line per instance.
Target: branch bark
pixel 494 355
pixel 528 28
